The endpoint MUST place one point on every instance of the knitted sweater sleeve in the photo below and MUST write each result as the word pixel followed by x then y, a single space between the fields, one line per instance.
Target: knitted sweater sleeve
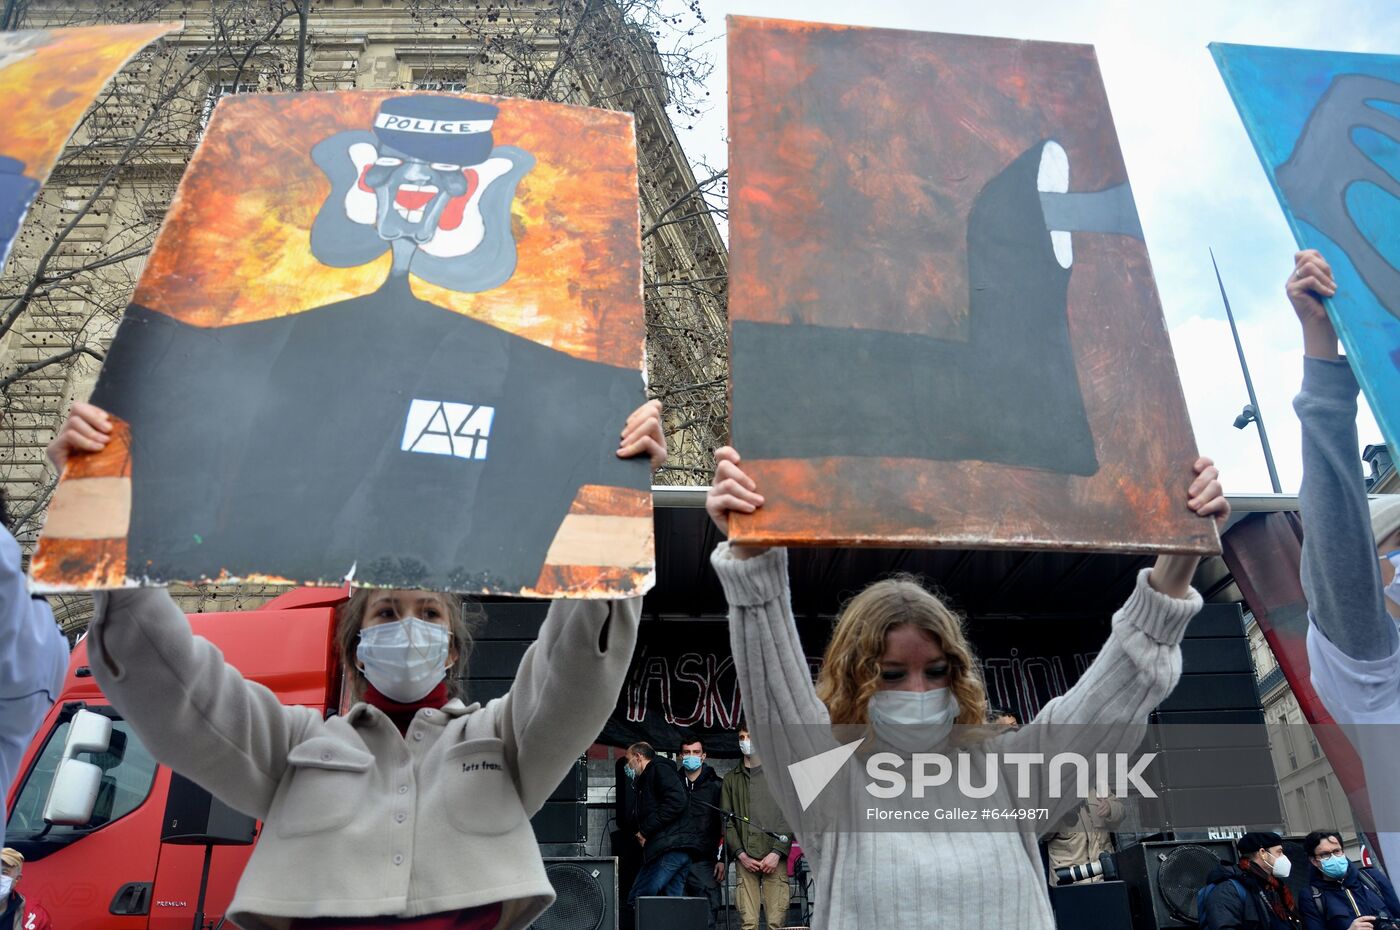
pixel 1106 711
pixel 786 719
pixel 195 712
pixel 564 690
pixel 1341 574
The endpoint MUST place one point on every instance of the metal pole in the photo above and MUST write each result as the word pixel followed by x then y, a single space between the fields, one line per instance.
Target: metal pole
pixel 8 15
pixel 301 40
pixel 1248 382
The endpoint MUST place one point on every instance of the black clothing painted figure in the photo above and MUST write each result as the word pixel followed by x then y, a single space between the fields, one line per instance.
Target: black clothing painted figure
pixel 483 437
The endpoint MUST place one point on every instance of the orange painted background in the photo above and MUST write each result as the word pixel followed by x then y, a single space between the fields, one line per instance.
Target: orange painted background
pixel 236 246
pixel 856 156
pixel 45 93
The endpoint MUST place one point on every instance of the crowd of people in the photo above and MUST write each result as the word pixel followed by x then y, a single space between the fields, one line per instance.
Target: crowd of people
pixel 412 809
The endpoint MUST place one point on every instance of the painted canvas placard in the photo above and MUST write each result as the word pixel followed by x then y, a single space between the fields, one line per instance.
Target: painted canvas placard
pixel 48 79
pixel 391 338
pixel 945 329
pixel 1326 127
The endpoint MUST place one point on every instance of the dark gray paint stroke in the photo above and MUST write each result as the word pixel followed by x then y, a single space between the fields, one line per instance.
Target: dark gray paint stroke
pixel 1107 211
pixel 335 240
pixel 1326 161
pixel 1009 394
pixel 492 262
pixel 341 243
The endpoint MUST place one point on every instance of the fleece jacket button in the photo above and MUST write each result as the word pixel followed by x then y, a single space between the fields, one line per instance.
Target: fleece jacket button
pixel 427 713
pixel 403 789
pixel 400 817
pixel 418 735
pixel 325 757
pixel 398 858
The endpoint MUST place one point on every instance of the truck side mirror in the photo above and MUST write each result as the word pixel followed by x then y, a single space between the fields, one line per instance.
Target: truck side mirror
pixel 75 785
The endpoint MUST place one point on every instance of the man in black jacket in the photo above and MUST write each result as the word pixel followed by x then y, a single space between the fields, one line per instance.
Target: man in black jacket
pixel 1341 895
pixel 706 863
pixel 1252 895
pixel 663 828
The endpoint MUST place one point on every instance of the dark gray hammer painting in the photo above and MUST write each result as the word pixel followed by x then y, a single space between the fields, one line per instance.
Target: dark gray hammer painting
pixel 1326 127
pixel 362 350
pixel 944 324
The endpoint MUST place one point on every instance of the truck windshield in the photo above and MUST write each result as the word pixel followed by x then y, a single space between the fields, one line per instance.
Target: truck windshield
pixel 128 771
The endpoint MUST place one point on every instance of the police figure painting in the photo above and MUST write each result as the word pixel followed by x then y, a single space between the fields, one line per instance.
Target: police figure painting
pixel 454 403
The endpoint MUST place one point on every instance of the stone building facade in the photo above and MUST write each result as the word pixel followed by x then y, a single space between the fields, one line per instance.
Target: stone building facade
pixel 81 251
pixel 1312 794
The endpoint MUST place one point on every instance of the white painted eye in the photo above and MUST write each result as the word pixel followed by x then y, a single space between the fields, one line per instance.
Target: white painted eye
pixel 444 166
pixel 388 161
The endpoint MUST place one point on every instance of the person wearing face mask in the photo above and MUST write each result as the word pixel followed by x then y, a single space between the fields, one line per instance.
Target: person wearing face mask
pixel 1084 834
pixel 664 828
pixel 899 664
pixel 707 864
pixel 1251 894
pixel 411 810
pixel 18 912
pixel 760 857
pixel 1341 894
pixel 1351 556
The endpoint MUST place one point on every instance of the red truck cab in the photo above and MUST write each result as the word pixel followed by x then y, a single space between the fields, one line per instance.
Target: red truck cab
pixel 114 872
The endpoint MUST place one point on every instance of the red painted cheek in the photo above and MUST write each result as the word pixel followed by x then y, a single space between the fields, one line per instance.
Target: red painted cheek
pixel 362 184
pixel 457 206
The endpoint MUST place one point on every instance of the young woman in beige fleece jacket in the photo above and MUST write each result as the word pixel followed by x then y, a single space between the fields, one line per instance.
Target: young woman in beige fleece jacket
pixel 409 812
pixel 899 654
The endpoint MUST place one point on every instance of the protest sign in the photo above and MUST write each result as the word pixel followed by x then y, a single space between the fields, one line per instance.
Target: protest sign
pixel 945 329
pixel 382 337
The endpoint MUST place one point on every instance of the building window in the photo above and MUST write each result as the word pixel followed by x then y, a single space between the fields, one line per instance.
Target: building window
pixel 1325 791
pixel 449 82
pixel 1287 744
pixel 1303 805
pixel 1312 743
pixel 219 88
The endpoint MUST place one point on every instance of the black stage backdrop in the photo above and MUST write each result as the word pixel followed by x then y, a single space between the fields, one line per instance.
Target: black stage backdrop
pixel 682 681
pixel 1037 619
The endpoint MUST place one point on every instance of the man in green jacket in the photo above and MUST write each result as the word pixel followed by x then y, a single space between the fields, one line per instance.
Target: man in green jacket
pixel 752 837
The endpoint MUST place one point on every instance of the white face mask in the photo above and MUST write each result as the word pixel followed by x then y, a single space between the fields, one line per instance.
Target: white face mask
pixel 6 883
pixel 746 747
pixel 913 720
pixel 406 659
pixel 1283 867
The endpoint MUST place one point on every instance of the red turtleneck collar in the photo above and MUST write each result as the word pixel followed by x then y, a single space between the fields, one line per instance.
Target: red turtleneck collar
pixel 402 714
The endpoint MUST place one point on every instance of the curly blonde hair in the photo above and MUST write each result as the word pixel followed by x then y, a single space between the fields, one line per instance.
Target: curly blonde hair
pixel 850 673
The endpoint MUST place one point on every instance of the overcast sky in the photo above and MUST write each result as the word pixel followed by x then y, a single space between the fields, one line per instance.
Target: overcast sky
pixel 1195 177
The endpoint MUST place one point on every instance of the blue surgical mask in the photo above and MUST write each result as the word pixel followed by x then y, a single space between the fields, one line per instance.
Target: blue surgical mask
pixel 630 772
pixel 1335 866
pixel 691 763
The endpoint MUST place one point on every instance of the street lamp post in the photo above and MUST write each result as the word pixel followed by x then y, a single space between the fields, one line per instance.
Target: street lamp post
pixel 1251 413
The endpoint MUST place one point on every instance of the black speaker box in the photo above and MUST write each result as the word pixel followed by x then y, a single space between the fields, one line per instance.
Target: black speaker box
pixel 1091 906
pixel 673 913
pixel 1297 880
pixel 561 822
pixel 585 895
pixel 1163 878
pixel 574 787
pixel 194 817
